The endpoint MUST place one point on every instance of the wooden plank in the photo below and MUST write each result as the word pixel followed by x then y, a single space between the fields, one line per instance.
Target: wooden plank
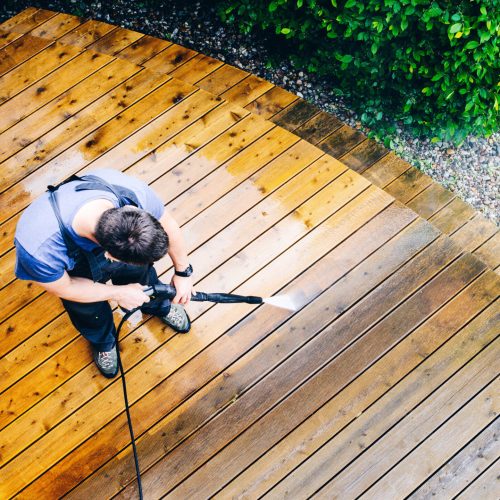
pixel 313 288
pixel 57 26
pixel 430 200
pixel 446 400
pixel 115 41
pixel 85 136
pixel 452 216
pixel 272 102
pixel 485 487
pixel 26 20
pixel 309 450
pixel 87 34
pixel 365 154
pixel 385 170
pixel 489 251
pixel 7 269
pixel 295 114
pixel 464 467
pixel 474 416
pixel 143 49
pixel 196 68
pixel 318 127
pixel 253 405
pixel 170 59
pixel 408 185
pixel 474 233
pixel 246 91
pixel 21 50
pixel 222 79
pixel 341 141
pixel 7 37
pixel 11 466
pixel 36 68
pixel 46 89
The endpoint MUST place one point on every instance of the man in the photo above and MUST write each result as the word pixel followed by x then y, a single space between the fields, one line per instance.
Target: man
pixel 103 226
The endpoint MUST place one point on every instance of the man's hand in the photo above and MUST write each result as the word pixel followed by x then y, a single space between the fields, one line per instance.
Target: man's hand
pixel 184 288
pixel 130 296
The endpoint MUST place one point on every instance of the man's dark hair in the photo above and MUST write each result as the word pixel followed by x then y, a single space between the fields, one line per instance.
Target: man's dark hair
pixel 131 235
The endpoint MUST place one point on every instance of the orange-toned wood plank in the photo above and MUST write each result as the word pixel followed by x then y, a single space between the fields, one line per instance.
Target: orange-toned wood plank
pixel 247 90
pixel 314 433
pixel 115 41
pixel 87 34
pixel 272 102
pixel 170 59
pixel 7 37
pixel 222 79
pixel 18 18
pixel 143 49
pixel 36 68
pixel 196 68
pixel 52 86
pixel 26 20
pixel 464 467
pixel 57 26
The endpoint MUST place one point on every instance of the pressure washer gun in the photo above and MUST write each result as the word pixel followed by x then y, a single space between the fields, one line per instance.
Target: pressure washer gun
pixel 161 291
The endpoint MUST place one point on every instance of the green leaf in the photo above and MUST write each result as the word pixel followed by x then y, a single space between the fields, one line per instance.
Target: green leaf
pixel 471 45
pixel 273 6
pixel 285 31
pixel 456 27
pixel 349 4
pixel 455 17
pixel 300 3
pixel 334 3
pixel 374 48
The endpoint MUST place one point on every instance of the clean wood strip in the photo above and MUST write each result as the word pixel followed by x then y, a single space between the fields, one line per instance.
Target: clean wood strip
pixel 143 49
pixel 300 447
pixel 318 127
pixel 86 34
pixel 247 90
pixel 415 427
pixel 170 59
pixel 478 413
pixel 257 401
pixel 108 119
pixel 196 68
pixel 489 251
pixel 202 367
pixel 222 79
pixel 57 26
pixel 341 141
pixel 464 467
pixel 485 487
pixel 12 465
pixel 272 102
pixel 48 88
pixel 36 68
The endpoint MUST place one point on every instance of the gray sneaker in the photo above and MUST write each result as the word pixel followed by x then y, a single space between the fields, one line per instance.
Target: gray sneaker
pixel 106 361
pixel 177 319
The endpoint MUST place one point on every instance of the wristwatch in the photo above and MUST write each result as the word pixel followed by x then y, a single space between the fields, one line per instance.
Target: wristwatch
pixel 186 273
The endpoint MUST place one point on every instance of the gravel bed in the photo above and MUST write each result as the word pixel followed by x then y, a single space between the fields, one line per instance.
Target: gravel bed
pixel 472 170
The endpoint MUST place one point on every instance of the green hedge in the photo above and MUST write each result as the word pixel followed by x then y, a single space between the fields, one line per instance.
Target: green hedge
pixel 432 64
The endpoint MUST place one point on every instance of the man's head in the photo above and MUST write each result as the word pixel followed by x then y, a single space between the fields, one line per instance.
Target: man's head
pixel 131 235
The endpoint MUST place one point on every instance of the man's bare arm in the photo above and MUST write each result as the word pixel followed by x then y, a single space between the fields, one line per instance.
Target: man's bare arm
pixel 84 290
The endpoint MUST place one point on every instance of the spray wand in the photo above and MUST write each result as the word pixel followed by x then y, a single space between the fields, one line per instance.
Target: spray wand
pixel 161 291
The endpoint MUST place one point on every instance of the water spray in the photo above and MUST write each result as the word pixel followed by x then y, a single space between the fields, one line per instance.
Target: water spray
pixel 161 291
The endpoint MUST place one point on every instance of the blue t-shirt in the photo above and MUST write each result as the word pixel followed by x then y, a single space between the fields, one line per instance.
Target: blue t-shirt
pixel 41 254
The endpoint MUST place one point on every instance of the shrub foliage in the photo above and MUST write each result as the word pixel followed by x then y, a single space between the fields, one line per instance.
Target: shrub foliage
pixel 432 64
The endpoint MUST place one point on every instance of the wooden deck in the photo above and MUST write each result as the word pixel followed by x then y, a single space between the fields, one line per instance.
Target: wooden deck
pixel 383 384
